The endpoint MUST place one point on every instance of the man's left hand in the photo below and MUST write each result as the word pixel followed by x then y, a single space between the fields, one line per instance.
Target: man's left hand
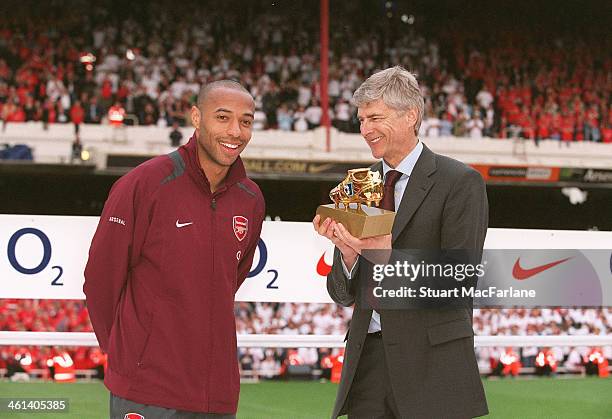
pixel 368 243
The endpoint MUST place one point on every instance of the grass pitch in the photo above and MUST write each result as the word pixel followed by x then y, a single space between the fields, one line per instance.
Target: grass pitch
pixel 520 398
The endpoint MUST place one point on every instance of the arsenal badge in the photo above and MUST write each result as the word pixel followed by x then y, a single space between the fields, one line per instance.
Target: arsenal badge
pixel 241 227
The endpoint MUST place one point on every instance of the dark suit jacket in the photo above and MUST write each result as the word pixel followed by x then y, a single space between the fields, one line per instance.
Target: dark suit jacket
pixel 430 352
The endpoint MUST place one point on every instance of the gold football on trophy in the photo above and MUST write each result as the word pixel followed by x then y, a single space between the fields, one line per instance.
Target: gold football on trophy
pixel 361 186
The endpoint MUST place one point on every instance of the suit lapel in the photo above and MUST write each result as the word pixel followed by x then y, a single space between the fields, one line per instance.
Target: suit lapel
pixel 419 185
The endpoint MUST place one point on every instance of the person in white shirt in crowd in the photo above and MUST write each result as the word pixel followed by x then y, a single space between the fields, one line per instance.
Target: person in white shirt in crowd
pixel 342 115
pixel 313 114
pixel 574 362
pixel 309 356
pixel 304 95
pixel 484 98
pixel 433 124
pixel 269 367
pixel 259 120
pixel 333 88
pixel 475 125
pixel 299 120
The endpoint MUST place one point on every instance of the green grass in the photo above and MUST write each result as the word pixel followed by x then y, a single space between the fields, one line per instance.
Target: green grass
pixel 520 398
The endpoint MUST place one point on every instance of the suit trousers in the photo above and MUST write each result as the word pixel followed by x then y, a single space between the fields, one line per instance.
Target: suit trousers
pixel 370 395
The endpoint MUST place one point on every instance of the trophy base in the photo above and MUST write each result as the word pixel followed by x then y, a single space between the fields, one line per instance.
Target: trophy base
pixel 362 221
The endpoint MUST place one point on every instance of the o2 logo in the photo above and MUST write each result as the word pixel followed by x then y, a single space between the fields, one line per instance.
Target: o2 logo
pixel 261 264
pixel 46 257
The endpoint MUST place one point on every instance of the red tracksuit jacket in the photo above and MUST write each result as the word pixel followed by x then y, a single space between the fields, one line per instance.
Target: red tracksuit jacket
pixel 164 265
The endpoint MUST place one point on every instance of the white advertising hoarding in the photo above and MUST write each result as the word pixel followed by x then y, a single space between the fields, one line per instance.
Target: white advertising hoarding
pixel 44 257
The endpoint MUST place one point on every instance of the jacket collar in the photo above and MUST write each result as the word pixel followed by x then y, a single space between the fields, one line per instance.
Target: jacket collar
pixel 418 187
pixel 235 174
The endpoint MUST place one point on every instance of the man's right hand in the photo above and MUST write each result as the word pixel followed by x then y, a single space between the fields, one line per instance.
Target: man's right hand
pixel 326 229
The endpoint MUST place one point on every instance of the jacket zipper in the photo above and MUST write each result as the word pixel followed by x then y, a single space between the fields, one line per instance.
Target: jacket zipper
pixel 213 206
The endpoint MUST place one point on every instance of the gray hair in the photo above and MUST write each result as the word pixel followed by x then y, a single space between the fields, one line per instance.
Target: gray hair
pixel 219 84
pixel 397 87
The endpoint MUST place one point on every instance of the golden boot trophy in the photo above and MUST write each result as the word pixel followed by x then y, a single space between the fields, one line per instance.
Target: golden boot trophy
pixel 352 207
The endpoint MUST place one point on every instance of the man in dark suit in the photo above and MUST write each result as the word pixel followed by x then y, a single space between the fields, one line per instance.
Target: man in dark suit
pixel 412 363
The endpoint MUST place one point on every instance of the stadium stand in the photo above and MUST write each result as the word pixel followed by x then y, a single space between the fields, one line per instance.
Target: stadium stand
pixel 530 82
pixel 313 319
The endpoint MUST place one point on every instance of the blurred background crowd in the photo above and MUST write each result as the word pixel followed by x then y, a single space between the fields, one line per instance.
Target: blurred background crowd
pixel 497 75
pixel 317 319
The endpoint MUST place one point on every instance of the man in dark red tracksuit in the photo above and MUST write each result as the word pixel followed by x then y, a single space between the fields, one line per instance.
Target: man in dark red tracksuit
pixel 175 241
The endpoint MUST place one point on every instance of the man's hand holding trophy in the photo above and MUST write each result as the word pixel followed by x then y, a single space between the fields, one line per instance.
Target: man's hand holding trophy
pixel 351 222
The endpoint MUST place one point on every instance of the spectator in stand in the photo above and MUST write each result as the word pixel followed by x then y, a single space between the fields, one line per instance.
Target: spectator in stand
pixel 284 118
pixel 149 116
pixel 525 121
pixel 313 114
pixel 591 125
pixel 4 110
pixel 304 94
pixel 281 64
pixel 475 126
pixel 116 115
pixel 60 113
pixel 460 124
pixel 607 132
pixel 259 120
pixel 579 126
pixel 30 109
pixel 446 125
pixel 94 111
pixel 568 127
pixel 342 115
pixel 12 113
pixel 555 125
pixel 299 120
pixel 175 135
pixel 430 127
pixel 574 362
pixel 77 116
pixel 544 123
pixel 484 98
pixel 116 119
pixel 270 105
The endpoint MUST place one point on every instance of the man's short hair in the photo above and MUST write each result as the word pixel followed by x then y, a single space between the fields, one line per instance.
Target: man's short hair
pixel 225 84
pixel 397 87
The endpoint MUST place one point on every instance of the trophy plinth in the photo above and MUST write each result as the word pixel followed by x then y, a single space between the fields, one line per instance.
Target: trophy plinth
pixel 360 220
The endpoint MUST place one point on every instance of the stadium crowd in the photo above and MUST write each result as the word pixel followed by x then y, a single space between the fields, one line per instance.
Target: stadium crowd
pixel 313 319
pixel 484 80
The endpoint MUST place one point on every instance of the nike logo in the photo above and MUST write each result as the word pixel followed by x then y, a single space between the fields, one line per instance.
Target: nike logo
pixel 323 268
pixel 520 273
pixel 179 225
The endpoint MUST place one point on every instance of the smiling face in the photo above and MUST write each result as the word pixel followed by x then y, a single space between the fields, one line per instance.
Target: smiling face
pixel 223 127
pixel 388 132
